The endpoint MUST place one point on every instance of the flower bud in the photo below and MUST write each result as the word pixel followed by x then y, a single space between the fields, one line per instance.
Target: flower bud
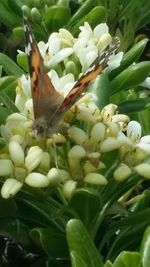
pixel 6 167
pixel 33 158
pixel 10 188
pixel 36 179
pixel 45 161
pixel 56 176
pixel 143 169
pixel 68 188
pixel 109 144
pixel 20 173
pixel 95 178
pixel 98 132
pixel 16 152
pixel 122 172
pixel 77 135
pixel 108 111
pixel 104 41
pixel 70 67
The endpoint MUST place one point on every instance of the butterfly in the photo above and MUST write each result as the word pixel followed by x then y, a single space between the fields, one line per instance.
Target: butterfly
pixel 49 106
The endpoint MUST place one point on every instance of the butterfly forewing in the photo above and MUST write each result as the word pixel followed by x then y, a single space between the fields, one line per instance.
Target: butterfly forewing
pixel 45 98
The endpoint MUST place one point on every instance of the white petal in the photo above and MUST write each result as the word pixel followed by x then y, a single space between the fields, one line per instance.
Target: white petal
pixel 60 56
pixel 145 139
pixel 134 131
pixel 146 83
pixel 114 61
pixel 145 147
pixel 10 188
pixel 54 45
pixel 35 179
pixel 100 29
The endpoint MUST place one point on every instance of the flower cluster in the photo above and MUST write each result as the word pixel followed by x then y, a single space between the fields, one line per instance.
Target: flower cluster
pixel 75 159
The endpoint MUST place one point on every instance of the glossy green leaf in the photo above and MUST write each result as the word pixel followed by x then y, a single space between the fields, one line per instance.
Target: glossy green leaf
pixel 84 9
pixel 133 105
pixel 15 6
pixel 128 259
pixel 22 61
pixel 80 242
pixel 90 205
pixel 132 76
pixel 9 66
pixel 7 81
pixel 19 32
pixel 56 17
pixel 76 260
pixel 130 57
pixel 51 240
pixel 7 17
pixel 108 264
pixel 101 87
pixel 94 17
pixel 145 248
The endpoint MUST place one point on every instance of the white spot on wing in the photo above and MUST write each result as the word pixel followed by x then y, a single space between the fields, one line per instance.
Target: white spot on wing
pixel 28 49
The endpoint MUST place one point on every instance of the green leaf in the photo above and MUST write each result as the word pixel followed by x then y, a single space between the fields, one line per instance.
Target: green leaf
pixel 9 66
pixel 108 264
pixel 90 205
pixel 94 17
pixel 80 242
pixel 51 240
pixel 84 9
pixel 7 17
pixel 130 77
pixel 128 259
pixel 76 260
pixel 101 87
pixel 22 61
pixel 130 57
pixel 7 207
pixel 133 105
pixel 7 81
pixel 56 17
pixel 145 248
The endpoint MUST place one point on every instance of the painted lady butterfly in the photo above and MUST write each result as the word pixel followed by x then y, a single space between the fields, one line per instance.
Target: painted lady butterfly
pixel 48 105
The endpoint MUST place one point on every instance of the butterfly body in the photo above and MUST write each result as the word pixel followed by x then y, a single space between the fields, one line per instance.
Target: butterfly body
pixel 48 105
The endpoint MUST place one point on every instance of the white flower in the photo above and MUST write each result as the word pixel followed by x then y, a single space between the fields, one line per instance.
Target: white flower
pixel 59 56
pixel 64 84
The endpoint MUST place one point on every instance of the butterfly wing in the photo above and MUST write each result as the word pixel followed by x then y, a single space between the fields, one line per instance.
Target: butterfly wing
pixel 45 98
pixel 94 70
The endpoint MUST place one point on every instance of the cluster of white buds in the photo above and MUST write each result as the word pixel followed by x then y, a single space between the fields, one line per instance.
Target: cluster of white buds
pixel 78 159
pixel 40 163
